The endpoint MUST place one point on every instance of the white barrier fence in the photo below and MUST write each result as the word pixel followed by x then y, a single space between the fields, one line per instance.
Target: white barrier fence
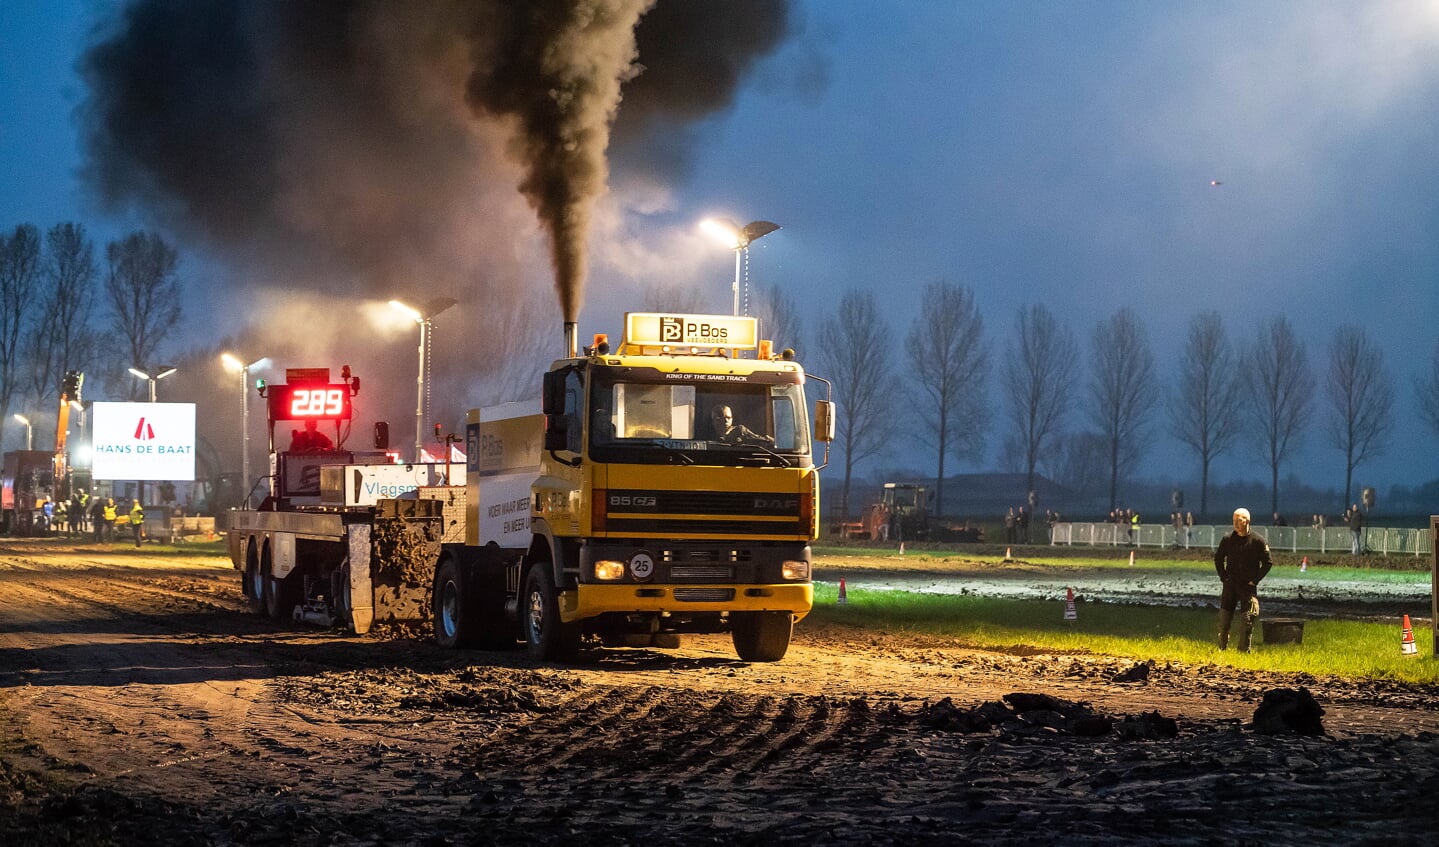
pixel 1384 541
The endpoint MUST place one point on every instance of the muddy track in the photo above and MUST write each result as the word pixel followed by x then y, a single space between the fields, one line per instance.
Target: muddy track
pixel 140 703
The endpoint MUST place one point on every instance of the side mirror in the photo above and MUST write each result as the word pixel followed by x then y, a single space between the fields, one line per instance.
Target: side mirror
pixel 824 420
pixel 556 432
pixel 553 400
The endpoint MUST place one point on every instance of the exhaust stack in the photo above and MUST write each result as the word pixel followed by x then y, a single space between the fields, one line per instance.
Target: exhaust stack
pixel 572 339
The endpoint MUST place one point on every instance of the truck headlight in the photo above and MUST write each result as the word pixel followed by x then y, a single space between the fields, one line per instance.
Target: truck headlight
pixel 792 569
pixel 608 569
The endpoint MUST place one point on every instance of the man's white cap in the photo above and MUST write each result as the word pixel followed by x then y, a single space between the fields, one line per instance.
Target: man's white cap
pixel 1242 512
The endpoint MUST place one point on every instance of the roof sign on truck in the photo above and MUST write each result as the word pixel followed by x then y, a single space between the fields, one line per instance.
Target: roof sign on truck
pixel 653 329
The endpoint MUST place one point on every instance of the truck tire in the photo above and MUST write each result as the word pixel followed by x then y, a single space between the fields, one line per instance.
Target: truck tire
pixel 343 604
pixel 761 636
pixel 254 583
pixel 281 596
pixel 449 602
pixel 546 637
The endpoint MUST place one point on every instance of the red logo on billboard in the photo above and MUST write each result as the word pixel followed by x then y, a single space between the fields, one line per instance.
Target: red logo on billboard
pixel 143 431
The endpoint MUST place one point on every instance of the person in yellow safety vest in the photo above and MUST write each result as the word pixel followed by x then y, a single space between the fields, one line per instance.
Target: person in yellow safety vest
pixel 110 515
pixel 137 522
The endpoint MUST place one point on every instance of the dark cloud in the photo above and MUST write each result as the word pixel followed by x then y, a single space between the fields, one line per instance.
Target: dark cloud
pixel 364 145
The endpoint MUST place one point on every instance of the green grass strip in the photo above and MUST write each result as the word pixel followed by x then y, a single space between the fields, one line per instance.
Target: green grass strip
pixel 1350 649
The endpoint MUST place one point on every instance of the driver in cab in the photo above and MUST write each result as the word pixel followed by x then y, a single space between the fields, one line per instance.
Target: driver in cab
pixel 728 432
pixel 310 439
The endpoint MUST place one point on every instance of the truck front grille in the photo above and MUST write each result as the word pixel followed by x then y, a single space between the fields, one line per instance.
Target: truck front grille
pixel 683 573
pixel 663 502
pixel 718 513
pixel 692 526
pixel 704 595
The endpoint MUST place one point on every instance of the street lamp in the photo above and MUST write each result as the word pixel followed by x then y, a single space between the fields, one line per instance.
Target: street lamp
pixel 739 240
pixel 29 431
pixel 165 370
pixel 236 365
pixel 423 317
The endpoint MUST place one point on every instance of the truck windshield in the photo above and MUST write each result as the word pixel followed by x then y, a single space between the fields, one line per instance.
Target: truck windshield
pixel 669 419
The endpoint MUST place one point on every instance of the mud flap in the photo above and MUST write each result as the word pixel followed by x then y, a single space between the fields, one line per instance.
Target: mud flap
pixel 362 598
pixel 392 563
pixel 402 567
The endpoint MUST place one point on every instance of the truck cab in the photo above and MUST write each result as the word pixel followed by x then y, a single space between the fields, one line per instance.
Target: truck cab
pixel 672 490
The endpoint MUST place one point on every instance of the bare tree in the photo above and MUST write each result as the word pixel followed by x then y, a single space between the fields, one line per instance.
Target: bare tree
pixel 1361 398
pixel 144 292
pixel 1206 408
pixel 1426 388
pixel 779 318
pixel 949 367
pixel 1280 387
pixel 1081 459
pixel 1039 368
pixel 855 356
pixel 62 339
pixel 1122 387
pixel 19 274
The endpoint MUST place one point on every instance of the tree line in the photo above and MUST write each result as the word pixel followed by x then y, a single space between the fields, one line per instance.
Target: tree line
pixel 1089 413
pixel 62 310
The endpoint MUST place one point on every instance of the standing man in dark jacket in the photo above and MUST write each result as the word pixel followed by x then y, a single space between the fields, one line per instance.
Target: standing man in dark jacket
pixel 1242 560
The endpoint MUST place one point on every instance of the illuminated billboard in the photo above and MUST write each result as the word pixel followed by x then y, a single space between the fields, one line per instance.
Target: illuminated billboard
pixel 144 441
pixel 651 329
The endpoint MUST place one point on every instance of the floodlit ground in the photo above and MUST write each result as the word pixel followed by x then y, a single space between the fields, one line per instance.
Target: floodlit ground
pixel 138 702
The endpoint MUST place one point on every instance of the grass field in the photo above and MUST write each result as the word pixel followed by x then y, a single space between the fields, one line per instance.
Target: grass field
pixel 1342 648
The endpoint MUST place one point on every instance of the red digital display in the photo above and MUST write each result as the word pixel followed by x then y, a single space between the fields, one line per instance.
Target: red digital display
pixel 309 402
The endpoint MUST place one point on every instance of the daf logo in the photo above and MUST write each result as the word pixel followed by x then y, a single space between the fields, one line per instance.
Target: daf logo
pixel 773 503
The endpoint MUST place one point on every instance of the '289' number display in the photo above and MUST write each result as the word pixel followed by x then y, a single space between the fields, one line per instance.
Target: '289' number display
pixel 301 402
pixel 317 402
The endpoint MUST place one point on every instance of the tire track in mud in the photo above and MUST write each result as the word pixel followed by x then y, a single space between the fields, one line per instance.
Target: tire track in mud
pixel 178 692
pixel 333 739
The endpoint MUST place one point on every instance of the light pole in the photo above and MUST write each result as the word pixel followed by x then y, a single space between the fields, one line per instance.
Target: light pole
pixel 29 431
pixel 424 317
pixel 165 370
pixel 237 365
pixel 739 240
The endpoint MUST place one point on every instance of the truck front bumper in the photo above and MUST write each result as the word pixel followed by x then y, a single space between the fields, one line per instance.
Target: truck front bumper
pixel 590 600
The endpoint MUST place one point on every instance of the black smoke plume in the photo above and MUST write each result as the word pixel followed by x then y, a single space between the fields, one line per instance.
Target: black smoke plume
pixel 371 146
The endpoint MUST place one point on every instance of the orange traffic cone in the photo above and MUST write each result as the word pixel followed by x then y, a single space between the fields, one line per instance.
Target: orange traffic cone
pixel 1069 613
pixel 1304 564
pixel 1007 556
pixel 843 597
pixel 1406 644
pixel 1131 558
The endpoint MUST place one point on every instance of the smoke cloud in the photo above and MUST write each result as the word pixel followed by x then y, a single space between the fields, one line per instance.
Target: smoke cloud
pixel 370 147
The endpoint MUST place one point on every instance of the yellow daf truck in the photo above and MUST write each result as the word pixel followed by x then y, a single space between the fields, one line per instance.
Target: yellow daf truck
pixel 662 487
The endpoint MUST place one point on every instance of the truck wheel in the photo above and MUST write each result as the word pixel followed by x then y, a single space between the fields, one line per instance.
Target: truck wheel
pixel 761 636
pixel 254 583
pixel 454 624
pixel 546 638
pixel 281 597
pixel 340 591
